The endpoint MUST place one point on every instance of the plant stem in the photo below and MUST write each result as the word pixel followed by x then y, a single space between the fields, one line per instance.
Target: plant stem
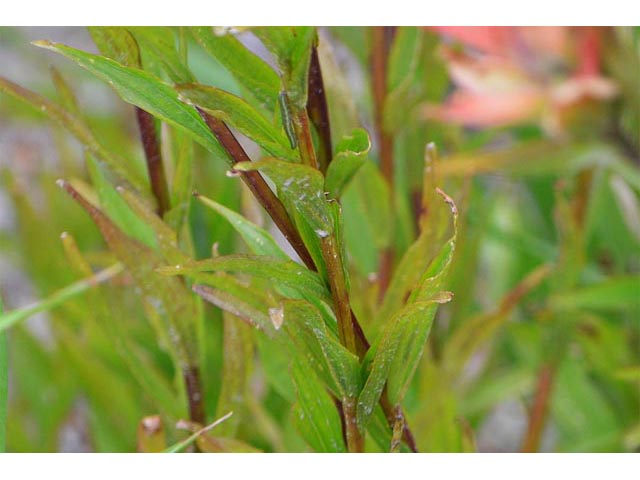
pixel 395 414
pixel 153 156
pixel 338 287
pixel 382 38
pixel 539 408
pixel 269 201
pixel 355 439
pixel 191 376
pixel 305 140
pixel 318 111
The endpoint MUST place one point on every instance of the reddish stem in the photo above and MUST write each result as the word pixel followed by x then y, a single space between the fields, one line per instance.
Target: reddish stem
pixel 153 156
pixel 539 408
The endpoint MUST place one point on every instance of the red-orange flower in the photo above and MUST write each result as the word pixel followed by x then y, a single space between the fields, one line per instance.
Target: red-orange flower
pixel 511 75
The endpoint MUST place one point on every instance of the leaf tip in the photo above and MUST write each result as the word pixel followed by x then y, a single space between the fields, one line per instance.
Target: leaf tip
pixel 44 44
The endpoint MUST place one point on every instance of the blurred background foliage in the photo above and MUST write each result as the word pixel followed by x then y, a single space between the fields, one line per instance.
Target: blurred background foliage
pixel 538 131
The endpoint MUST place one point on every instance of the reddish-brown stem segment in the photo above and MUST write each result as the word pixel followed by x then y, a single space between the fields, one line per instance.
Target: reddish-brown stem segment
pixel 153 156
pixel 269 201
pixel 538 412
pixel 305 140
pixel 319 112
pixel 338 287
pixel 193 385
pixel 382 37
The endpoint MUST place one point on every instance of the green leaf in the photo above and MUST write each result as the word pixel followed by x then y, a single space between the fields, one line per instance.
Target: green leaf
pixel 284 273
pixel 113 324
pixel 403 63
pixel 182 182
pixel 291 47
pixel 80 130
pixel 315 414
pixel 333 363
pixel 158 47
pixel 351 153
pixel 413 321
pixel 145 91
pixel 164 237
pixel 238 114
pixel 407 278
pixel 368 195
pixel 237 347
pixel 259 241
pixel 69 100
pixel 4 387
pixel 116 208
pixel 172 309
pixel 253 73
pixel 615 293
pixel 243 302
pixel 301 186
pixel 116 43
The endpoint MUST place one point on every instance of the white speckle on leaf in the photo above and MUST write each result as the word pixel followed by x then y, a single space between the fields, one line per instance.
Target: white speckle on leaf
pixel 277 317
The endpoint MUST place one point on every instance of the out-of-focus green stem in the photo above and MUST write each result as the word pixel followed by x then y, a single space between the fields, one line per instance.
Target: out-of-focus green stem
pixel 9 319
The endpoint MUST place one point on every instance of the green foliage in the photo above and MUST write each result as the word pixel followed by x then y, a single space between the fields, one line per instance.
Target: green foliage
pixel 413 315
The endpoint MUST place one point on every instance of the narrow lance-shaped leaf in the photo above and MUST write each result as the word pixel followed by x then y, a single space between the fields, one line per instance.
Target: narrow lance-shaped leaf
pixel 228 294
pixel 615 293
pixel 338 367
pixel 68 98
pixel 164 236
pixel 315 414
pixel 382 356
pixel 116 43
pixel 158 47
pixel 281 272
pixel 109 316
pixel 291 47
pixel 428 289
pixel 238 114
pixel 145 91
pixel 173 312
pixel 403 62
pixel 8 319
pixel 394 358
pixel 435 224
pixel 237 344
pixel 182 181
pixel 351 153
pixel 478 329
pixel 80 130
pixel 259 241
pixel 116 208
pixel 253 73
